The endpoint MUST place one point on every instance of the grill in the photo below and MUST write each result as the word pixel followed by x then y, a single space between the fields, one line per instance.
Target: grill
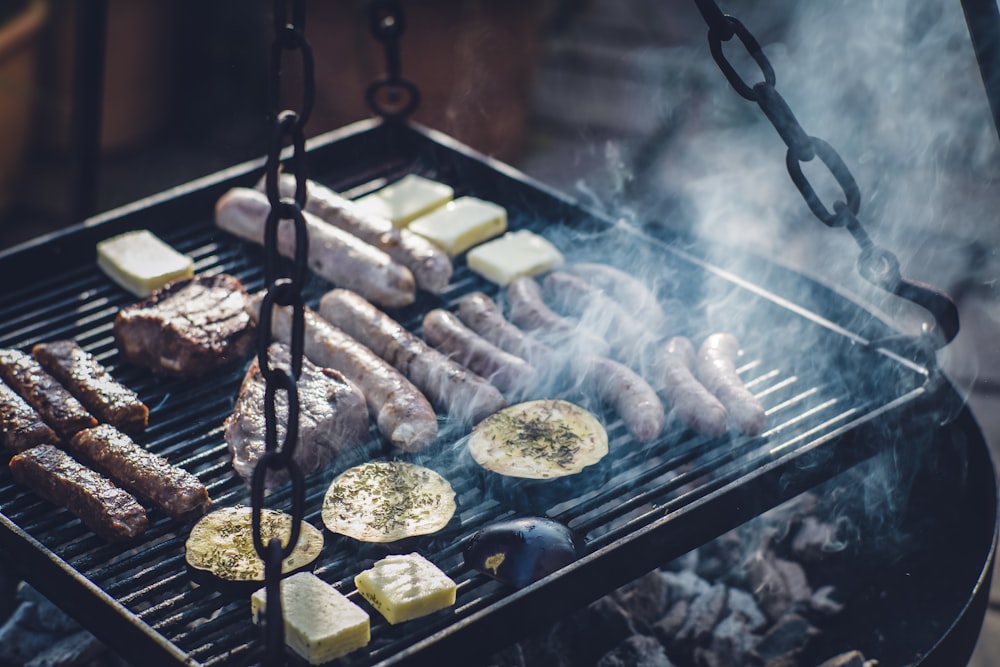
pixel 831 393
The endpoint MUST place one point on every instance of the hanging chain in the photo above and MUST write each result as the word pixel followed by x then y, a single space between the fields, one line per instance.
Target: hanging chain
pixel 391 97
pixel 875 264
pixel 282 291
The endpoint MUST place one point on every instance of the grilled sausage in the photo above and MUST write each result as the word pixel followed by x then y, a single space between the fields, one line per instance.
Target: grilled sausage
pixel 401 412
pixel 57 407
pixel 91 383
pixel 109 511
pixel 430 265
pixel 150 477
pixel 506 371
pixel 21 427
pixel 529 311
pixel 716 368
pixel 631 293
pixel 691 402
pixel 335 255
pixel 627 392
pixel 460 392
pixel 481 314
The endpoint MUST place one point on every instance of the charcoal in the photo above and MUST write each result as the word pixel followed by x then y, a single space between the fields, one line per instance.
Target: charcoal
pixel 815 540
pixel 666 628
pixel 720 558
pixel 636 651
pixel 785 640
pixel 822 602
pixel 732 640
pixel 779 584
pixel 18 641
pixel 849 659
pixel 47 616
pixel 743 606
pixel 683 586
pixel 795 580
pixel 645 600
pixel 705 612
pixel 76 649
pixel 597 629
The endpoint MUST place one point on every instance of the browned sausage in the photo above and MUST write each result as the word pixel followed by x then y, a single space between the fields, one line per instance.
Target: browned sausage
pixel 506 371
pixel 631 396
pixel 691 401
pixel 528 310
pixel 402 413
pixel 430 265
pixel 335 255
pixel 627 290
pixel 716 368
pixel 482 314
pixel 460 392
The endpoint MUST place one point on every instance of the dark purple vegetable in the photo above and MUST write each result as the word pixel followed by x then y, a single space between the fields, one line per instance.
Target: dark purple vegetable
pixel 520 551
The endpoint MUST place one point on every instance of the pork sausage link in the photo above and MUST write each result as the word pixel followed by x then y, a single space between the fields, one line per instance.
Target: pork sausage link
pixel 627 290
pixel 335 255
pixel 401 412
pixel 430 265
pixel 529 311
pixel 627 392
pixel 482 314
pixel 460 392
pixel 716 368
pixel 506 371
pixel 690 400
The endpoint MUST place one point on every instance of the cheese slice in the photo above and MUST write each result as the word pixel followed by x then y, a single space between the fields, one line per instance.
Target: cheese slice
pixel 408 198
pixel 320 623
pixel 461 224
pixel 142 263
pixel 515 254
pixel 402 588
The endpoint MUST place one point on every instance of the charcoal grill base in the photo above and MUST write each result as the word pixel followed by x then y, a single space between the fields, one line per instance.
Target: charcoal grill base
pixel 660 501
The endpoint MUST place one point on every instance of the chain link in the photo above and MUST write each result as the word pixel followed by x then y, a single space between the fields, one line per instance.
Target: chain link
pixel 282 291
pixel 876 265
pixel 391 97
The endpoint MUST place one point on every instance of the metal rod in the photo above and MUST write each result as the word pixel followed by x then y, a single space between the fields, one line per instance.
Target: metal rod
pixel 983 19
pixel 88 93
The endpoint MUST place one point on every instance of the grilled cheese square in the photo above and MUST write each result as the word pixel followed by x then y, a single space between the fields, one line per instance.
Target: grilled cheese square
pixel 515 254
pixel 320 623
pixel 461 224
pixel 407 199
pixel 142 263
pixel 402 588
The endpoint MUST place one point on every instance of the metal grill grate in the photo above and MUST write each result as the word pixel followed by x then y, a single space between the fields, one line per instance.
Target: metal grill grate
pixel 657 501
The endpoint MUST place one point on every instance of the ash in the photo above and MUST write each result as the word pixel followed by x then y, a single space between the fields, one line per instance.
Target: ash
pixel 759 596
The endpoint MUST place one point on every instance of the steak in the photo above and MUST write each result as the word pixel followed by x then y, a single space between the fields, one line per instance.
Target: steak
pixel 188 328
pixel 333 416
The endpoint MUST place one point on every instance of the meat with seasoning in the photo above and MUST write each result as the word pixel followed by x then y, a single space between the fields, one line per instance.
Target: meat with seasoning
pixel 91 383
pixel 333 417
pixel 21 426
pixel 108 510
pixel 188 328
pixel 57 407
pixel 150 477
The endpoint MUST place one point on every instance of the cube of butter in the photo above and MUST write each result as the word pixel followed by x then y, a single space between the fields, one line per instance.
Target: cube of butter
pixel 141 263
pixel 320 623
pixel 406 587
pixel 408 198
pixel 515 254
pixel 461 224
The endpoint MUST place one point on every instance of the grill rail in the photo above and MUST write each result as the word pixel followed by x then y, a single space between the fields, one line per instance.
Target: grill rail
pixel 659 500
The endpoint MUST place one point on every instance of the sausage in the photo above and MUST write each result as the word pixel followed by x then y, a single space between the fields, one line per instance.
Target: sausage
pixel 137 470
pixel 91 383
pixel 335 255
pixel 481 314
pixel 54 403
pixel 690 400
pixel 460 392
pixel 21 427
pixel 529 311
pixel 403 415
pixel 627 392
pixel 109 511
pixel 716 368
pixel 431 266
pixel 506 371
pixel 627 290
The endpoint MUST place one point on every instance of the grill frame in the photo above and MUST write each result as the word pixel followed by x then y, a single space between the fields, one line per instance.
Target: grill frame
pixel 356 154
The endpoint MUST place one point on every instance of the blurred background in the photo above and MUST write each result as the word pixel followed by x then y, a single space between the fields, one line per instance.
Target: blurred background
pixel 616 102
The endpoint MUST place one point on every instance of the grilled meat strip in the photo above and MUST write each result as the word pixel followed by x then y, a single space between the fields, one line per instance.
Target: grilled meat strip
pixel 150 477
pixel 91 383
pixel 431 266
pixel 402 413
pixel 460 392
pixel 21 426
pixel 716 368
pixel 333 417
pixel 188 328
pixel 109 511
pixel 54 403
pixel 335 255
